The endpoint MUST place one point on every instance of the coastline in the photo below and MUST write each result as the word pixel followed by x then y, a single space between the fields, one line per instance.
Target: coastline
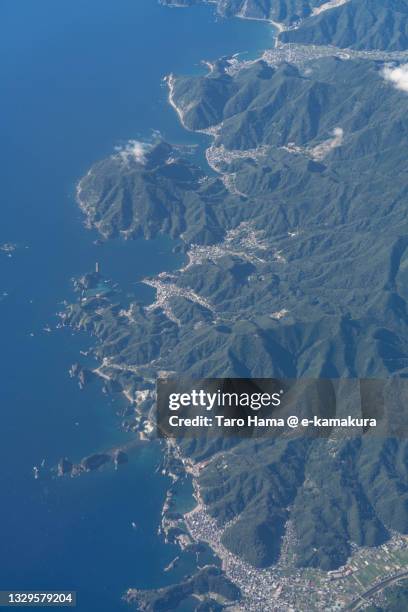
pixel 232 565
pixel 63 134
pixel 199 518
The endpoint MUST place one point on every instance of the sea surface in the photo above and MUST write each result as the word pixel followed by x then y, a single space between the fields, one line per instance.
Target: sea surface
pixel 78 78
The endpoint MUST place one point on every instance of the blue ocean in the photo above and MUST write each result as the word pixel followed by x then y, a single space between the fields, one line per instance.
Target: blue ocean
pixel 77 79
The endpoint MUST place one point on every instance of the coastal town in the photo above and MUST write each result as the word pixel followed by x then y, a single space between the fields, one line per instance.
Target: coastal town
pixel 284 587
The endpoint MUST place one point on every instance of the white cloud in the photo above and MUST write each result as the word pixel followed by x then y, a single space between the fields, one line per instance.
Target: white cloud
pixel 133 150
pixel 319 152
pixel 332 4
pixel 398 76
